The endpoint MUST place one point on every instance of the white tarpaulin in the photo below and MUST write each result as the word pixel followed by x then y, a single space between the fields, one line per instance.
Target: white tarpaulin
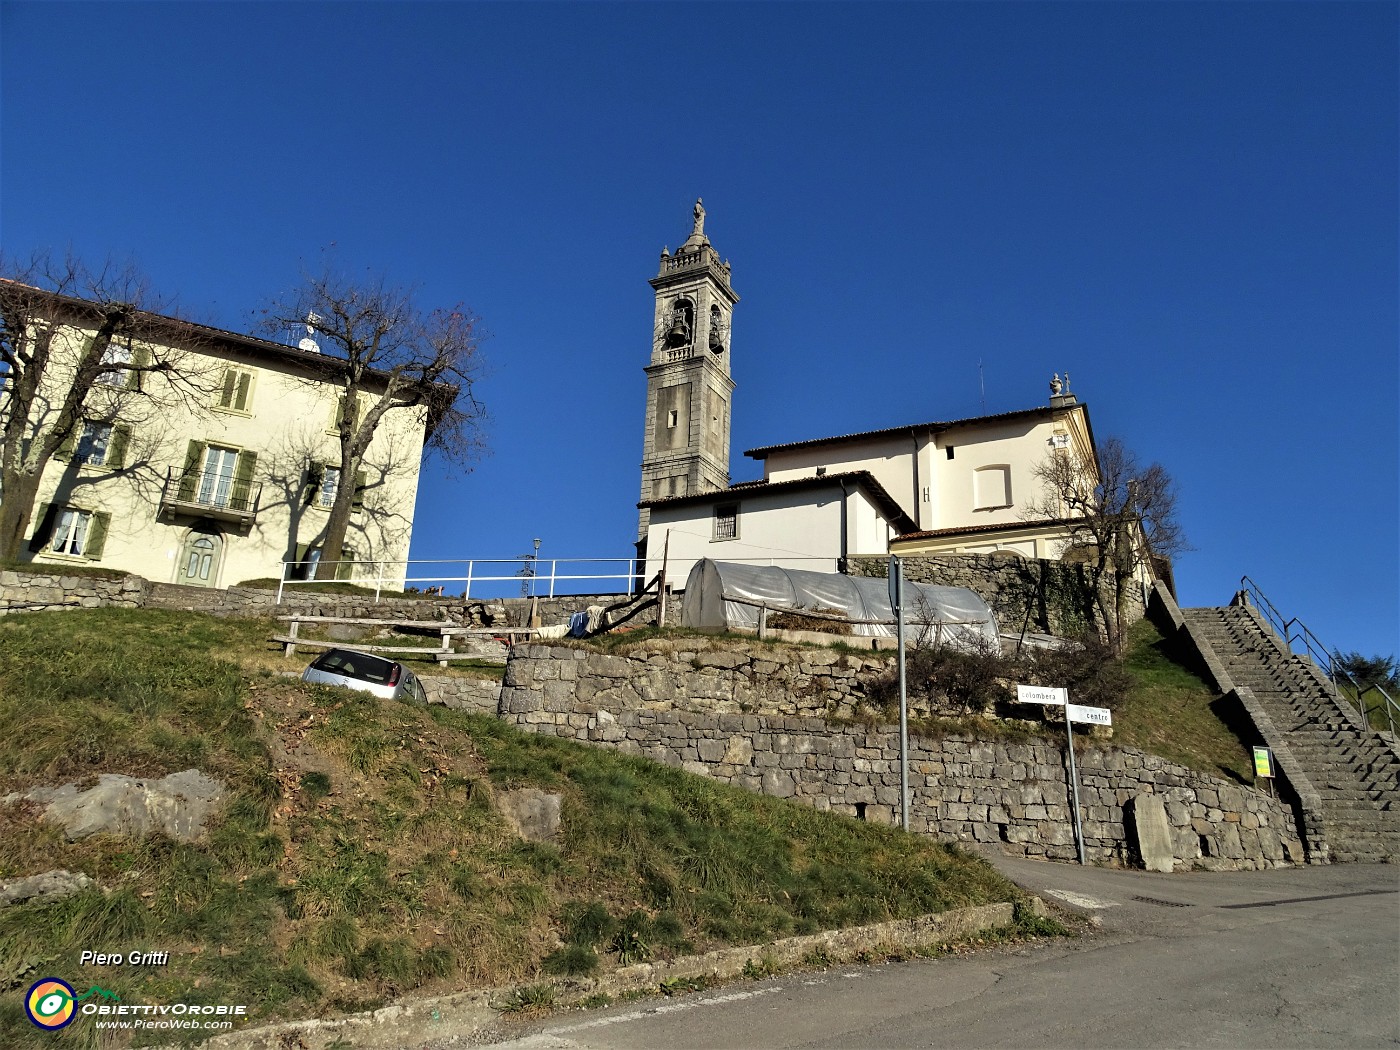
pixel 726 596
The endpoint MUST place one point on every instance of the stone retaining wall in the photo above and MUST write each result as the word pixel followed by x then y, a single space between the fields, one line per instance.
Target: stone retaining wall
pixel 248 601
pixel 50 588
pixel 699 675
pixel 1014 794
pixel 1058 594
pixel 35 591
pixel 481 695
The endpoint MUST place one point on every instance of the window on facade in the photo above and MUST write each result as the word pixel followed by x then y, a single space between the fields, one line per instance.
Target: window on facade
pixel 309 558
pixel 216 480
pixel 727 522
pixel 991 487
pixel 327 481
pixel 341 404
pixel 93 444
pixel 330 481
pixel 236 390
pixel 117 353
pixel 70 531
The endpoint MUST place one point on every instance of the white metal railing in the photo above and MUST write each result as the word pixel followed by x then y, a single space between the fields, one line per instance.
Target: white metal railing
pixel 533 577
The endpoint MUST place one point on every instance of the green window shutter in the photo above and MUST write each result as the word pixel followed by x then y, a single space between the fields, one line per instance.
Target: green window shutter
pixel 300 570
pixel 116 447
pixel 97 536
pixel 359 500
pixel 340 405
pixel 65 450
pixel 189 477
pixel 230 387
pixel 245 382
pixel 44 532
pixel 140 358
pixel 243 479
pixel 345 570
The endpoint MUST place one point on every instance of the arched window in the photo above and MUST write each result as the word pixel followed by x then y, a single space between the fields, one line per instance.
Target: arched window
pixel 718 330
pixel 681 329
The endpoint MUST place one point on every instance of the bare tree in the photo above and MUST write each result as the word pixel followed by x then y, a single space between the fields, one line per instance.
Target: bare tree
pixel 1120 515
pixel 386 355
pixel 77 347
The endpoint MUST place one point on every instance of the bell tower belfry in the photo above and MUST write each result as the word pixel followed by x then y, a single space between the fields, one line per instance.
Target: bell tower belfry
pixel 686 449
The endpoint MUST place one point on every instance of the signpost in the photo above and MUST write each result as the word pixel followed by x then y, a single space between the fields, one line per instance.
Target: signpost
pixel 1264 766
pixel 1263 762
pixel 1055 696
pixel 896 575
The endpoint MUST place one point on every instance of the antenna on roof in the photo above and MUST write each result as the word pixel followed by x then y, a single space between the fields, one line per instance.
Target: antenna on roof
pixel 982 385
pixel 309 343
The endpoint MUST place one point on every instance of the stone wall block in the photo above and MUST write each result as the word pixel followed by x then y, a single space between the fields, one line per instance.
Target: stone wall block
pixel 966 789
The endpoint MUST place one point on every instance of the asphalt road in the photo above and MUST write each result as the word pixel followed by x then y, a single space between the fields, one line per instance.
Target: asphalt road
pixel 1305 957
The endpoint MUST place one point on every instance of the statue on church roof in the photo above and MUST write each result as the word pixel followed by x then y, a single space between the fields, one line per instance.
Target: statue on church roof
pixel 1055 386
pixel 699 228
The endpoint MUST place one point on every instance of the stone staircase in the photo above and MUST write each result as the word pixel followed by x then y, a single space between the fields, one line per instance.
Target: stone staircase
pixel 1354 771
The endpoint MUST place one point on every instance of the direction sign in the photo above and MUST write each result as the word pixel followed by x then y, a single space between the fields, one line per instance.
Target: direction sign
pixel 1042 694
pixel 1099 716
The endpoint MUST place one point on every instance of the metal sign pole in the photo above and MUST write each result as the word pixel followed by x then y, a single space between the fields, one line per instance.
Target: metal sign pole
pixel 896 573
pixel 1074 786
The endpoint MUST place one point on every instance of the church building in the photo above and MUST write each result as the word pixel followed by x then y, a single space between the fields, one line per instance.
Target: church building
pixel 941 487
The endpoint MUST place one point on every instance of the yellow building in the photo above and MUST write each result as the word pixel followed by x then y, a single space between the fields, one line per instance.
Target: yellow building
pixel 219 468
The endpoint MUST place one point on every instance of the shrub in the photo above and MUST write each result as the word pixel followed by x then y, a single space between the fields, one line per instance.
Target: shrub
pixel 572 960
pixel 1086 667
pixel 951 680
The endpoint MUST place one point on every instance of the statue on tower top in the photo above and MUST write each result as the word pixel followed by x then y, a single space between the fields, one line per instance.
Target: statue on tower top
pixel 697 238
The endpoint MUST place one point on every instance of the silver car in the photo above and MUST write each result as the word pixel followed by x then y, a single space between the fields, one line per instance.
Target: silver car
pixel 371 674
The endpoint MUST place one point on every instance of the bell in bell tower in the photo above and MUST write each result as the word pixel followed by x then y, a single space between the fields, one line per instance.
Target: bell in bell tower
pixel 689 389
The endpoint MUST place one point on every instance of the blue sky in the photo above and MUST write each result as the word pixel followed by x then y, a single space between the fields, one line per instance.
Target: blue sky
pixel 1189 207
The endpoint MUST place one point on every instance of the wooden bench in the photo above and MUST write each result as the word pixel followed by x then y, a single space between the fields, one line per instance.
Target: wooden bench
pixel 290 640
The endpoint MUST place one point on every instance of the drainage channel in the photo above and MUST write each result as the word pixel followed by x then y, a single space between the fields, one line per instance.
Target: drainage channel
pixel 1161 903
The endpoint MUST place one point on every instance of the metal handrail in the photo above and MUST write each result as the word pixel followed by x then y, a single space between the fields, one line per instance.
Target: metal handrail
pixel 1294 631
pixel 380 574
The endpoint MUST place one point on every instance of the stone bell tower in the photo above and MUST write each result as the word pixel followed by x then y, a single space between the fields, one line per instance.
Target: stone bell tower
pixel 686 449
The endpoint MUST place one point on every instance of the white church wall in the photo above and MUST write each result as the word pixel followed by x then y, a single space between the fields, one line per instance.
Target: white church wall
pixel 798 530
pixel 990 480
pixel 890 460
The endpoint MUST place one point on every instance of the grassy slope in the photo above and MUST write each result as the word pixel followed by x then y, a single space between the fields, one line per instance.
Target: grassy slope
pixel 361 855
pixel 1172 712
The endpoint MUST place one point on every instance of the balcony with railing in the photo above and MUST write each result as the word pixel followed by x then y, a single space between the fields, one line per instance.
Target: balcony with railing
pixel 210 494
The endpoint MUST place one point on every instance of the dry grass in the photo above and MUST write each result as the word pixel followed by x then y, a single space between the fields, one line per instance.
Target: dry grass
pixel 362 854
pixel 1170 710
